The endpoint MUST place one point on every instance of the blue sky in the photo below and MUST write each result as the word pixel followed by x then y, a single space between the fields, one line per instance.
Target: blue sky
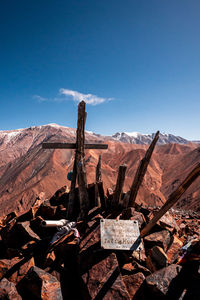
pixel 139 61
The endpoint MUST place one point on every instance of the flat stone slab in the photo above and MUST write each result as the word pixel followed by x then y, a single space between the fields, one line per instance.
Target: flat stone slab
pixel 120 234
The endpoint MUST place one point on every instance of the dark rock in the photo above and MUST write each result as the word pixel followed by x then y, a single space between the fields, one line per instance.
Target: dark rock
pixel 133 283
pixel 103 280
pixel 161 238
pixel 15 269
pixel 8 290
pixel 131 214
pixel 157 259
pixel 46 211
pixel 17 235
pixel 38 284
pixel 9 217
pixel 61 196
pixel 159 282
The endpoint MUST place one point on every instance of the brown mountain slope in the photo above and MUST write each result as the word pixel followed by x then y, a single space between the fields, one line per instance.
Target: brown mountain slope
pixel 27 170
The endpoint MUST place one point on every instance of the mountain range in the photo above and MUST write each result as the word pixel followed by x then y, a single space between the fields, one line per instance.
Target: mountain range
pixel 27 170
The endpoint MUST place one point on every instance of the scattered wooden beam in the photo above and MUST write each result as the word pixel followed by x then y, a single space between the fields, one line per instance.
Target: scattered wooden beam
pixel 119 185
pixel 173 198
pixel 141 171
pixel 72 146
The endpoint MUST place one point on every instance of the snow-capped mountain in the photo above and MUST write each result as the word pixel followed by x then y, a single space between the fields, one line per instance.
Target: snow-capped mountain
pixel 138 138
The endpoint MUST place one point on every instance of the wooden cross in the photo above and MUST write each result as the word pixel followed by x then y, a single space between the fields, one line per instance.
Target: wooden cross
pixel 79 163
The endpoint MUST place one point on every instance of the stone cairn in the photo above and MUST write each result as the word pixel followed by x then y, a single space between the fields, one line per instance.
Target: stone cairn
pixel 53 250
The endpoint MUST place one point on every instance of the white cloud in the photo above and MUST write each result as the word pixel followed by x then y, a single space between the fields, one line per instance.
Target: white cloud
pixel 39 98
pixel 88 98
pixel 65 94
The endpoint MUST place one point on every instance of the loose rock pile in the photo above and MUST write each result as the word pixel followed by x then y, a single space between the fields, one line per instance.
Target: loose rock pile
pixel 73 267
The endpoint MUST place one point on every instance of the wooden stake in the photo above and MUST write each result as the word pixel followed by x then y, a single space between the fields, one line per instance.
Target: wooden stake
pixel 101 194
pixel 141 171
pixel 98 179
pixel 71 205
pixel 173 198
pixel 119 185
pixel 82 181
pixel 98 170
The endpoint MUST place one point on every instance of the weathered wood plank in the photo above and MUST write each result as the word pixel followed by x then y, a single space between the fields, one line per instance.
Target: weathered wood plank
pixel 98 170
pixel 141 171
pixel 119 185
pixel 173 198
pixel 101 194
pixel 82 180
pixel 71 205
pixel 73 146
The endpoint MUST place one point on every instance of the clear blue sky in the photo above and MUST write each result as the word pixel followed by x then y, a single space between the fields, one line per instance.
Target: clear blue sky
pixel 144 54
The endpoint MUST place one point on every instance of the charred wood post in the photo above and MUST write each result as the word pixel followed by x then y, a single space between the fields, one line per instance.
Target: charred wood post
pixel 119 185
pixel 71 204
pixel 173 198
pixel 80 164
pixel 98 179
pixel 98 170
pixel 141 171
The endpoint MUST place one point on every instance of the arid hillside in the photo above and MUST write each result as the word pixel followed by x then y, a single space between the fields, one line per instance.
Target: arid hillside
pixel 26 169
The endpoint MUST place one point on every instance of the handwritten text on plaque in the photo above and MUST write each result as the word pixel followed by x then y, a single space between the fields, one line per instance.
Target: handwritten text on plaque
pixel 120 234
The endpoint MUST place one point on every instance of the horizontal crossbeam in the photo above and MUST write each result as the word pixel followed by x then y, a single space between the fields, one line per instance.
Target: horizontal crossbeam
pixel 72 146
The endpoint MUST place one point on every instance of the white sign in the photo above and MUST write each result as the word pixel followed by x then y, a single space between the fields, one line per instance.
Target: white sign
pixel 120 234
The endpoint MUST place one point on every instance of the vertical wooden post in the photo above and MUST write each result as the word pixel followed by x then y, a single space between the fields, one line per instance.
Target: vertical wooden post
pixel 119 185
pixel 98 170
pixel 82 181
pixel 141 171
pixel 71 205
pixel 173 198
pixel 98 179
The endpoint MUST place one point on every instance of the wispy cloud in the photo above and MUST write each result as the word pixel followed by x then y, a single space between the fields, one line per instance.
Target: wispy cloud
pixel 65 94
pixel 88 98
pixel 39 98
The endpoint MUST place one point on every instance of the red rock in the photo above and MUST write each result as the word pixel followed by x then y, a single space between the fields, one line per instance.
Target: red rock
pixel 15 269
pixel 158 283
pixel 40 284
pixel 133 283
pixel 161 238
pixel 174 250
pixel 134 267
pixel 168 222
pixel 8 290
pixel 104 281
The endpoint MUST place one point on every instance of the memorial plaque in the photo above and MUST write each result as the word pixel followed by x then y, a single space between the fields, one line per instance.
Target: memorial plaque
pixel 120 235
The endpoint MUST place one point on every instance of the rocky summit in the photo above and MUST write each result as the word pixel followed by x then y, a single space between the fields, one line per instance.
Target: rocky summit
pixel 45 262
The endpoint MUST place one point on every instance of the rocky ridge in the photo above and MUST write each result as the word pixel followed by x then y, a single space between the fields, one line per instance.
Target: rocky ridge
pixel 34 265
pixel 26 169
